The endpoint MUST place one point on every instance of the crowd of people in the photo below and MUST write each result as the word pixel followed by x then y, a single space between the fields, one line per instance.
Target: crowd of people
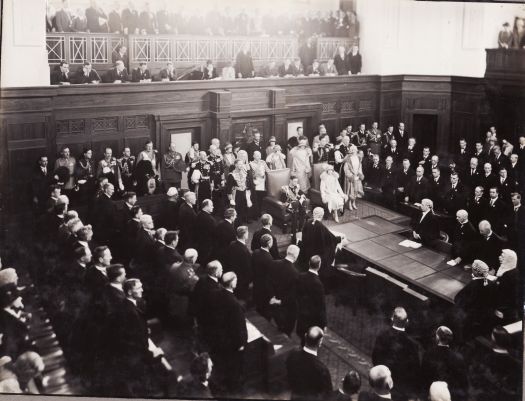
pixel 196 270
pixel 212 22
pixel 344 62
pixel 512 38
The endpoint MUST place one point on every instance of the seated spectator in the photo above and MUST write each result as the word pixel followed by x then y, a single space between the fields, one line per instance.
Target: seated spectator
pixel 209 71
pixel 286 69
pixel 297 68
pixel 228 72
pixel 270 70
pixel 328 69
pixel 118 74
pixel 505 37
pixel 87 74
pixel 141 74
pixel 350 386
pixel 168 73
pixel 314 69
pixel 61 75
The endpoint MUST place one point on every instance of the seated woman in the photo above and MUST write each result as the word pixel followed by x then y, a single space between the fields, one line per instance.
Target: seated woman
pixel 331 192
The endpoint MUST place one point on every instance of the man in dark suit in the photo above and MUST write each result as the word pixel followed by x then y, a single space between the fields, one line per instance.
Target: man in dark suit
pixel 61 75
pixel 144 251
pixel 41 179
pixel 224 234
pixel 477 206
pixel 455 195
pixel 374 173
pixel 411 151
pixel 147 21
pixel 96 276
pixel 462 157
pixel 266 221
pixel 229 336
pixel 200 301
pixel 489 246
pixel 418 187
pixel 318 240
pixel 393 151
pixel 488 179
pixel 426 160
pixel 87 75
pixel 436 185
pixel 381 383
pixel 262 264
pixel 187 219
pixel 118 74
pixel 308 377
pixel 130 20
pixel 505 185
pixel 105 216
pixel 205 225
pixel 94 15
pixel 514 170
pixel 441 363
pixel 141 74
pixel 472 175
pixel 283 280
pixel 254 145
pixel 480 154
pixel 463 238
pixel 426 226
pixel 396 350
pixel 401 136
pixel 403 177
pixel 209 71
pixel 311 307
pixel 497 212
pixel 388 182
pixel 498 159
pixel 244 63
pixel 239 261
pixel 114 20
pixel 516 226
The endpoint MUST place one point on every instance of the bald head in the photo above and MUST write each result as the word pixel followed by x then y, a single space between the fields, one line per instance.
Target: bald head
pixel 462 216
pixel 229 280
pixel 484 228
pixel 191 255
pixel 399 317
pixel 314 337
pixel 292 252
pixel 380 379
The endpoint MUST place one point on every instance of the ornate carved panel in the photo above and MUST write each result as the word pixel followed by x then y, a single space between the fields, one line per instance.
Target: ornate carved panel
pixel 65 127
pixel 136 122
pixel 105 124
pixel 329 107
pixel 366 105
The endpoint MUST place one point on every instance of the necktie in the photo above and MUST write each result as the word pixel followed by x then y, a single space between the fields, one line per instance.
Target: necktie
pixel 472 172
pixel 418 179
pixel 516 209
pixel 462 151
pixel 454 186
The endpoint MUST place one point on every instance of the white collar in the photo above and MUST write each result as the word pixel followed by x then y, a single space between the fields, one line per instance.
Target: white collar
pixel 425 213
pixel 313 272
pixel 386 396
pixel 133 301
pixel 242 242
pixel 398 328
pixel 504 269
pixel 101 269
pixel 15 313
pixel 83 243
pixel 500 351
pixel 291 261
pixel 118 286
pixel 264 249
pixel 229 290
pixel 310 351
pixel 214 278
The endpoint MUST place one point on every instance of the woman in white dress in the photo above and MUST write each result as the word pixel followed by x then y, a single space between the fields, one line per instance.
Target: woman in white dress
pixel 277 159
pixel 300 163
pixel 331 192
pixel 353 177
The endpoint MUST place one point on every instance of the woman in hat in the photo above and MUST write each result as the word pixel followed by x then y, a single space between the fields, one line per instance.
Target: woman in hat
pixel 270 147
pixel 277 159
pixel 353 171
pixel 229 157
pixel 331 192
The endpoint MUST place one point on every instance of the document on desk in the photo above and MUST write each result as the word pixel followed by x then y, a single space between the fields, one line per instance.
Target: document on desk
pixel 410 244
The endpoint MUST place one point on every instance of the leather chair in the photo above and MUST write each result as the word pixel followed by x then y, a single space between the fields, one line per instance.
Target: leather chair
pixel 272 204
pixel 315 194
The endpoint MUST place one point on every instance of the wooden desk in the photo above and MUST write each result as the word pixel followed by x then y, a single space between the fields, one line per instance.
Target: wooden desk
pixel 377 241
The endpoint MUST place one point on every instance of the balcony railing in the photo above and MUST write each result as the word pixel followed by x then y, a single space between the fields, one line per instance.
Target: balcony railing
pixel 75 48
pixel 505 63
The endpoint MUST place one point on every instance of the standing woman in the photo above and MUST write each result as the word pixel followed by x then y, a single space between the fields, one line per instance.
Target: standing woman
pixel 300 163
pixel 259 169
pixel 331 192
pixel 150 155
pixel 238 189
pixel 229 158
pixel 353 177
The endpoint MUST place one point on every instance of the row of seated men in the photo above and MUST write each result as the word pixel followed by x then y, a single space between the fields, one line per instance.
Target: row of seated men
pixel 180 292
pixel 216 21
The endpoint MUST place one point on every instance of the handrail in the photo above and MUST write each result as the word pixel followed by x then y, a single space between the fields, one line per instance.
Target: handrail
pixel 75 48
pixel 505 62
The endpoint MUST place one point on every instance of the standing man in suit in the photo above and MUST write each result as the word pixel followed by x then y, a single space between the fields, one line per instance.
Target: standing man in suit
pixel 319 240
pixel 516 227
pixel 505 185
pixel 418 187
pixel 477 206
pixel 497 211
pixel 472 175
pixel 441 363
pixel 239 261
pixel 205 225
pixel 266 221
pixel 283 282
pixel 187 220
pixel 498 159
pixel 104 216
pixel 262 264
pixel 401 136
pixel 393 151
pixel 462 156
pixel 403 177
pixel 455 195
pixel 489 246
pixel 381 384
pixel 463 238
pixel 411 152
pixel 244 63
pixel 426 227
pixel 40 181
pixel 437 187
pixel 488 179
pixel 96 276
pixel 96 19
pixel 388 182
pixel 341 61
pixel 311 307
pixel 224 234
pixel 230 336
pixel 396 350
pixel 308 377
